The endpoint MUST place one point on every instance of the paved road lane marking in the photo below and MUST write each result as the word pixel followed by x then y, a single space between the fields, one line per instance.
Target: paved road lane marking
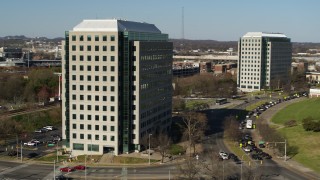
pixel 9 170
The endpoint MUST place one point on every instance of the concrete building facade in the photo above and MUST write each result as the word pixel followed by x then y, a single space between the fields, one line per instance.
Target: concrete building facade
pixel 264 61
pixel 117 86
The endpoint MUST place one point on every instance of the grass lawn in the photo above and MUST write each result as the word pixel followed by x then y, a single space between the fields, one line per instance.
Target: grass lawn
pixel 299 111
pixel 131 160
pixel 308 143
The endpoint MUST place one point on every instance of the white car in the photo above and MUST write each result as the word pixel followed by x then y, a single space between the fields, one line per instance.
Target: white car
pixel 224 155
pixel 50 128
pixel 246 149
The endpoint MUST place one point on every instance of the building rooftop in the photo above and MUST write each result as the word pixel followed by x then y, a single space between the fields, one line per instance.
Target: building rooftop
pixel 263 34
pixel 114 25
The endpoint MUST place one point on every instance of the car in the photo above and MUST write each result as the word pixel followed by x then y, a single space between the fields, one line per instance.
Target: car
pixel 67 169
pixel 32 155
pixel 79 167
pixel 44 130
pixel 60 177
pixel 224 155
pixel 232 156
pixel 38 131
pixel 246 149
pixel 256 157
pixel 50 128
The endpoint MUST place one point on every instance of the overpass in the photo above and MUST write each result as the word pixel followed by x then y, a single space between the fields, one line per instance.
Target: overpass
pixel 209 58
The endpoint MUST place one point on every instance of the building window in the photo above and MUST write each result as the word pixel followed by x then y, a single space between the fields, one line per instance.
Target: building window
pixel 112 48
pixel 104 88
pixel 104 58
pixel 104 78
pixel 112 138
pixel 81 126
pixel 96 108
pixel 96 68
pixel 89 97
pixel 74 48
pixel 77 146
pixel 81 107
pixel 74 77
pixel 89 127
pixel 112 58
pixel 81 136
pixel 112 98
pixel 96 58
pixel 96 137
pixel 104 118
pixel 81 58
pixel 74 67
pixel 81 67
pixel 74 38
pixel 104 38
pixel 104 48
pixel 74 107
pixel 74 126
pixel 89 117
pixel 104 108
pixel 88 48
pixel 89 88
pixel 96 37
pixel 112 78
pixel 96 88
pixel 112 108
pixel 81 77
pixel 104 128
pixel 96 98
pixel 74 97
pixel 112 118
pixel 81 87
pixel 96 48
pixel 104 137
pixel 81 48
pixel 112 68
pixel 89 136
pixel 89 38
pixel 74 87
pixel 81 37
pixel 89 68
pixel 89 107
pixel 112 88
pixel 96 127
pixel 88 58
pixel 96 78
pixel 74 135
pixel 104 68
pixel 104 98
pixel 73 58
pixel 96 117
pixel 112 38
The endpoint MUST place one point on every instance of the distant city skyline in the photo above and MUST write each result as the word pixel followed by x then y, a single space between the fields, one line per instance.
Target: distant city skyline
pixel 203 20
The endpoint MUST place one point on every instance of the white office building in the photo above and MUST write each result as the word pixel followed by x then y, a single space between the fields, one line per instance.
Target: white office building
pixel 264 61
pixel 117 86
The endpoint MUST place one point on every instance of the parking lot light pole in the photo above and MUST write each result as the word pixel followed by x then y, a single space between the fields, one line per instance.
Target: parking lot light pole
pixel 21 150
pixel 149 148
pixel 54 169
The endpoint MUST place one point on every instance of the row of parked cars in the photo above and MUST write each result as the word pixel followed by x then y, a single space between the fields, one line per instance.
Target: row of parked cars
pixel 249 146
pixel 45 129
pixel 225 156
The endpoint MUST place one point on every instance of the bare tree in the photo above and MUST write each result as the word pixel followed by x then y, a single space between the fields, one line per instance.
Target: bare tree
pixel 231 128
pixel 195 125
pixel 189 170
pixel 163 142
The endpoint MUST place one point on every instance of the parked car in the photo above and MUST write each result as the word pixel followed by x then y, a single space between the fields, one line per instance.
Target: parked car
pixel 79 167
pixel 224 155
pixel 66 169
pixel 50 128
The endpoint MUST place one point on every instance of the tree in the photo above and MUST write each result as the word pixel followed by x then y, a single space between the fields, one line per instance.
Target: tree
pixel 195 124
pixel 163 142
pixel 189 170
pixel 231 128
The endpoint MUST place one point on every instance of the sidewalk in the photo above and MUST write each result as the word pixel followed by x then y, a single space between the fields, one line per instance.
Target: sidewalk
pixel 290 163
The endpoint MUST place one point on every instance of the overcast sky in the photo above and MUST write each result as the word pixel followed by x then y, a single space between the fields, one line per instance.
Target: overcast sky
pixel 223 20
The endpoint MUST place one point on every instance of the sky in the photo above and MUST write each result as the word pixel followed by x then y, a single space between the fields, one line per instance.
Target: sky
pixel 222 20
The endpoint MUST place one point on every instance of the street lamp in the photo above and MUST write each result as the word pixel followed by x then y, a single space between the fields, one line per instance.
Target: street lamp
pixel 149 148
pixel 241 166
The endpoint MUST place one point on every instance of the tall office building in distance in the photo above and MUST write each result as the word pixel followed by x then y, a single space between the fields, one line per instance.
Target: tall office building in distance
pixel 264 61
pixel 117 86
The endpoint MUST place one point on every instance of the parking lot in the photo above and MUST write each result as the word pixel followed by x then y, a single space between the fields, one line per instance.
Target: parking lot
pixel 34 145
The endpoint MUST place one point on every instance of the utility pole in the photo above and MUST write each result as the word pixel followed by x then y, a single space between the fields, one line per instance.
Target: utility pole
pixel 21 150
pixel 149 147
pixel 54 169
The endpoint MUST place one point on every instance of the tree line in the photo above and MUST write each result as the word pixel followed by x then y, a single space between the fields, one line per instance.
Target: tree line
pixel 36 85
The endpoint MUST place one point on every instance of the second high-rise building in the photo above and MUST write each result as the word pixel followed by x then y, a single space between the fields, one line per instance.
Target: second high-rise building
pixel 117 86
pixel 264 61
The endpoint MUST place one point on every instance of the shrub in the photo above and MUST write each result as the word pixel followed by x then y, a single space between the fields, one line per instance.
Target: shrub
pixel 176 149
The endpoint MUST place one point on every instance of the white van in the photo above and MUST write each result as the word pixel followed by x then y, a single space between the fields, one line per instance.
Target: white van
pixel 249 124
